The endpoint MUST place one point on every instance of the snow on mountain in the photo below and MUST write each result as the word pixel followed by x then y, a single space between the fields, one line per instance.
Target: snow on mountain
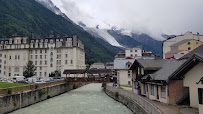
pixel 102 33
pixel 49 5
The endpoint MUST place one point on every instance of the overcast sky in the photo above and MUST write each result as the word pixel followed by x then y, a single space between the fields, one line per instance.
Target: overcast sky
pixel 144 16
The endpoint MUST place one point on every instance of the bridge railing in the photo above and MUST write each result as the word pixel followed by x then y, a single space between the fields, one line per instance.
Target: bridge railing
pixel 85 79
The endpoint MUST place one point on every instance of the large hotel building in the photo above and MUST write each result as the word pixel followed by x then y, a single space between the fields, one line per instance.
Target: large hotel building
pixel 48 55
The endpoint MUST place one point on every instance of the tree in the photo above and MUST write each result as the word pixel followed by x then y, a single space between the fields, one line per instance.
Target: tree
pixel 29 69
pixel 90 62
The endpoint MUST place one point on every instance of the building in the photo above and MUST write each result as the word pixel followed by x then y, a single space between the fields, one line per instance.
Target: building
pixel 97 66
pixel 142 67
pixel 121 67
pixel 110 65
pixel 48 55
pixel 175 81
pixel 183 42
pixel 133 52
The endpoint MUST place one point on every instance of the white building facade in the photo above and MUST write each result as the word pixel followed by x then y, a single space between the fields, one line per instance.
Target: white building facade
pixel 47 54
pixel 133 52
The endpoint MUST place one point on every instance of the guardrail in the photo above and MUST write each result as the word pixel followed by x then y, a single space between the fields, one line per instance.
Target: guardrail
pixel 13 90
pixel 149 107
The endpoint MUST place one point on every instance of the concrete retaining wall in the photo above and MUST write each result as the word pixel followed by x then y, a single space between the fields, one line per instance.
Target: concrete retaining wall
pixel 134 102
pixel 16 101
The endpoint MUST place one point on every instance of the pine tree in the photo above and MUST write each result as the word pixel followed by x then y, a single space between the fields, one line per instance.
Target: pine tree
pixel 29 69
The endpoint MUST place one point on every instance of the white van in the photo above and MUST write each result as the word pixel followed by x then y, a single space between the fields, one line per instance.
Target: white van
pixel 18 78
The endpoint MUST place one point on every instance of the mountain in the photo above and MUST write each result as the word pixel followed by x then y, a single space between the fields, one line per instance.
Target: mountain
pixel 132 40
pixel 26 16
pixel 49 5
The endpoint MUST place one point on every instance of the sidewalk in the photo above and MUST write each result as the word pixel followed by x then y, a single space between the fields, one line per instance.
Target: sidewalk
pixel 170 109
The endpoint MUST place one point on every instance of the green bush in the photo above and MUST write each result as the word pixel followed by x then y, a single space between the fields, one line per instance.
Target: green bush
pixel 43 91
pixel 9 91
pixel 36 86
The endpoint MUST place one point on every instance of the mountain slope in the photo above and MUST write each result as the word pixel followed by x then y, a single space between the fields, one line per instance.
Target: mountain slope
pixel 26 16
pixel 147 43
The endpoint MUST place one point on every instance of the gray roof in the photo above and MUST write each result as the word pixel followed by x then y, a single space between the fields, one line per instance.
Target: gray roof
pixel 152 64
pixel 167 70
pixel 198 51
pixel 181 42
pixel 174 51
pixel 120 63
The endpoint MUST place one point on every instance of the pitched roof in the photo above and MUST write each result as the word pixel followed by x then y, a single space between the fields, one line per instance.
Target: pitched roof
pixel 167 70
pixel 120 63
pixel 174 51
pixel 181 42
pixel 198 51
pixel 150 64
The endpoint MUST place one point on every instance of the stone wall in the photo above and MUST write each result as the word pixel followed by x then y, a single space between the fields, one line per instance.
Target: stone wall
pixel 136 103
pixel 16 101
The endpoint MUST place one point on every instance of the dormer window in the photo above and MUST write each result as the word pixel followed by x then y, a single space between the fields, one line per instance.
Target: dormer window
pixel 42 40
pixel 61 40
pixel 188 43
pixel 2 42
pixel 37 41
pixel 10 41
pixel 6 42
pixel 32 41
pixel 57 40
pixel 46 40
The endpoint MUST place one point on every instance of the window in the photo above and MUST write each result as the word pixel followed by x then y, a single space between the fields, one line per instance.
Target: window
pixel 189 48
pixel 163 91
pixel 31 56
pixel 45 51
pixel 10 57
pixel 145 89
pixel 71 61
pixel 142 71
pixel 40 56
pixel 18 56
pixel 135 50
pixel 51 59
pixel 45 73
pixel 40 68
pixel 131 50
pixel 0 55
pixel 0 61
pixel 45 62
pixel 45 56
pixel 35 56
pixel 35 51
pixel 66 62
pixel 200 91
pixel 4 56
pixel 40 51
pixel 40 62
pixel 15 56
pixel 129 83
pixel 196 42
pixel 40 73
pixel 35 62
pixel 152 90
pixel 66 55
pixel 188 43
pixel 51 65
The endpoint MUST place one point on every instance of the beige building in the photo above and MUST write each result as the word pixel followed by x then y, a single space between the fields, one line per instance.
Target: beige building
pixel 47 54
pixel 97 66
pixel 168 43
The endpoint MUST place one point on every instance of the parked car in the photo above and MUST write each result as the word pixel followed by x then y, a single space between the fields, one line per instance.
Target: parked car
pixel 18 78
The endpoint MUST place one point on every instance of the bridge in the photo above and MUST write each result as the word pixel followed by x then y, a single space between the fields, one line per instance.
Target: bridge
pixel 90 76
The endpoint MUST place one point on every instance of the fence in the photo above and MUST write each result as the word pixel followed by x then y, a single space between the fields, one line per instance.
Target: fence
pixel 12 90
pixel 149 107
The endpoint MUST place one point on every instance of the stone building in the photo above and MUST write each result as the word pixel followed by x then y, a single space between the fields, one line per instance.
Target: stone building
pixel 48 55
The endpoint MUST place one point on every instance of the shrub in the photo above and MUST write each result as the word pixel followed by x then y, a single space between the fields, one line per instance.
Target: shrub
pixel 43 91
pixel 9 91
pixel 116 94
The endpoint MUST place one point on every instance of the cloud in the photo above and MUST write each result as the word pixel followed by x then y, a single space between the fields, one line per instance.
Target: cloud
pixel 153 17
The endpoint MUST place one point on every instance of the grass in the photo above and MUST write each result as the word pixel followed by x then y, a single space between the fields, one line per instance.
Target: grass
pixel 6 85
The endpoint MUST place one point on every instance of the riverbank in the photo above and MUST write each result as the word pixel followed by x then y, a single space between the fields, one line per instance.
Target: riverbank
pixel 9 103
pixel 88 99
pixel 134 102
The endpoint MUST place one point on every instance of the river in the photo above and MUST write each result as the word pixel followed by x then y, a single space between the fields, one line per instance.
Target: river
pixel 89 99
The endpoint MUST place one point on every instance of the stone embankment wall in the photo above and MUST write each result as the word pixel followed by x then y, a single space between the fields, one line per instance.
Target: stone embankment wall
pixel 134 102
pixel 9 103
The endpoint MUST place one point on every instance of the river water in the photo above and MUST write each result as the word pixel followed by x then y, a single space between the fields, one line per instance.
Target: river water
pixel 89 99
